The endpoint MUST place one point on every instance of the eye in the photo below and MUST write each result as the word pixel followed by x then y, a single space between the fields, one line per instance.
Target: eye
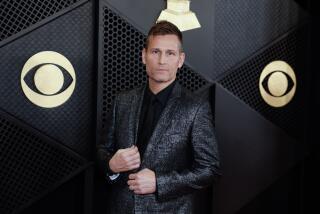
pixel 277 83
pixel 155 51
pixel 48 79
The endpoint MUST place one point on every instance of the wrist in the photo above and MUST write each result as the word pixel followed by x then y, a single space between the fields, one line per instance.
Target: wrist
pixel 111 167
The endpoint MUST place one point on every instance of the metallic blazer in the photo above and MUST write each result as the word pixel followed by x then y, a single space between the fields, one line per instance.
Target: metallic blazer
pixel 182 152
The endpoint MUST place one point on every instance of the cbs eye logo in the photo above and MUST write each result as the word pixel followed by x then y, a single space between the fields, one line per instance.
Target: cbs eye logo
pixel 277 83
pixel 48 79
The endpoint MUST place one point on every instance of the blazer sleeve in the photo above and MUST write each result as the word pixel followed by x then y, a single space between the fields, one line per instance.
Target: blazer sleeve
pixel 205 164
pixel 106 148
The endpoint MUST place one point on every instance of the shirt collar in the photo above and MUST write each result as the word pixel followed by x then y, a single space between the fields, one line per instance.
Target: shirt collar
pixel 163 95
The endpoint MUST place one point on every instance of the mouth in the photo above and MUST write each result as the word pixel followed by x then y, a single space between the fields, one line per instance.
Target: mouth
pixel 162 70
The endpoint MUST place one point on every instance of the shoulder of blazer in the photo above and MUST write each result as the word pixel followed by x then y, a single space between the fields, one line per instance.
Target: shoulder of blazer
pixel 190 103
pixel 194 99
pixel 130 94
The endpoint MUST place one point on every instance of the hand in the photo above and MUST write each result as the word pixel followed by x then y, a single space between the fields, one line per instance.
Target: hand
pixel 125 160
pixel 143 182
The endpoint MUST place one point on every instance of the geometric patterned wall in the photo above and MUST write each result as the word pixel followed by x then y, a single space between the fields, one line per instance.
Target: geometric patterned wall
pixel 71 35
pixel 41 148
pixel 16 16
pixel 264 144
pixel 31 164
pixel 243 27
pixel 243 80
pixel 261 144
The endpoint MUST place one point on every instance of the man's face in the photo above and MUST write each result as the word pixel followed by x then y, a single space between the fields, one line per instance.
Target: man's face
pixel 163 58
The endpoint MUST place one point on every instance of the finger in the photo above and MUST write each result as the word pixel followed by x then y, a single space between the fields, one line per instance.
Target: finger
pixel 133 176
pixel 127 149
pixel 132 147
pixel 135 149
pixel 136 156
pixel 145 170
pixel 133 188
pixel 131 158
pixel 131 163
pixel 131 151
pixel 132 182
pixel 127 158
pixel 134 164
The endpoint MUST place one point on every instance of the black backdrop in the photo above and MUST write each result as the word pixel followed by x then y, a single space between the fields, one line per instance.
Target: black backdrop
pixel 47 155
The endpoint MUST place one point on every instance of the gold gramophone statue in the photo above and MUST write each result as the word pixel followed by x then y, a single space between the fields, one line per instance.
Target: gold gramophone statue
pixel 178 12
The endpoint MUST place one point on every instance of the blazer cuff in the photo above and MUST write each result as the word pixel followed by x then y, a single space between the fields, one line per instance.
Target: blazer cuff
pixel 163 190
pixel 108 174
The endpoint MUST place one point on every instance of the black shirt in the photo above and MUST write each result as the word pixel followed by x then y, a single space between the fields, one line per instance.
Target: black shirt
pixel 152 107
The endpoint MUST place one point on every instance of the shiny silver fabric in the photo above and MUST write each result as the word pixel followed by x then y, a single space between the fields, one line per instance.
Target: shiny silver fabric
pixel 182 152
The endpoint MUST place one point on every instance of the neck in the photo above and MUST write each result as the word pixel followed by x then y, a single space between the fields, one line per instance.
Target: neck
pixel 156 87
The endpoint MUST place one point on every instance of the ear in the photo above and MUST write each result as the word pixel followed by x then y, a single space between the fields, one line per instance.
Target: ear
pixel 181 59
pixel 144 56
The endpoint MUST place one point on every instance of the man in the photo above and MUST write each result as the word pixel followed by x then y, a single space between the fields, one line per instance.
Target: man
pixel 160 146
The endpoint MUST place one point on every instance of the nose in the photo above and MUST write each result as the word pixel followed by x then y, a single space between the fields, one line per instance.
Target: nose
pixel 162 58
